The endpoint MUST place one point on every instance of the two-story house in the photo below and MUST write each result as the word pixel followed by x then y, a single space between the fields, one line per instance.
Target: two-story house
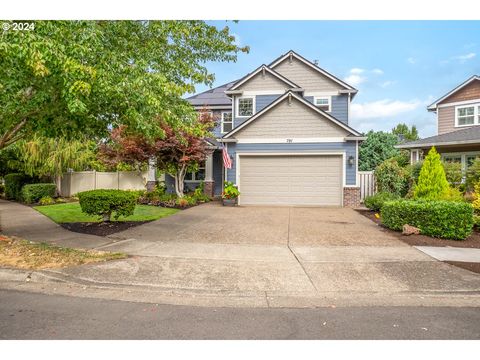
pixel 286 129
pixel 458 120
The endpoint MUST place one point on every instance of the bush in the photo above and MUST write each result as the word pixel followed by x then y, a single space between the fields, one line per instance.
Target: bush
pixel 473 174
pixel 46 200
pixel 453 173
pixel 106 202
pixel 230 191
pixel 182 202
pixel 2 189
pixel 391 177
pixel 199 194
pixel 453 194
pixel 31 193
pixel 432 183
pixel 13 185
pixel 375 202
pixel 440 218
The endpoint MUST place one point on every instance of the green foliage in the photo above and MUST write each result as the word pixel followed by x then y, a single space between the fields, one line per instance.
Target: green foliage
pixel 13 185
pixel 199 193
pixel 106 202
pixel 432 183
pixel 402 158
pixel 32 193
pixel 476 198
pixel 378 147
pixel 473 174
pixel 453 194
pixel 9 161
pixel 182 202
pixel 476 221
pixel 444 219
pixel 392 178
pixel 404 132
pixel 46 200
pixel 2 189
pixel 453 173
pixel 82 77
pixel 375 202
pixel 230 191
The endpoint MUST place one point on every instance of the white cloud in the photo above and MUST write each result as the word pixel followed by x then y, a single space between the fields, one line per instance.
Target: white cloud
pixel 387 83
pixel 383 108
pixel 463 58
pixel 357 71
pixel 411 60
pixel 355 79
pixel 377 71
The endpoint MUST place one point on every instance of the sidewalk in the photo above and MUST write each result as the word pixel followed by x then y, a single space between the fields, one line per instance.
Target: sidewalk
pixel 451 253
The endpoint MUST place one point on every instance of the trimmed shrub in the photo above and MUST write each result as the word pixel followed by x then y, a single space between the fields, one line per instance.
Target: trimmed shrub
pixel 432 183
pixel 391 177
pixel 473 174
pixel 31 193
pixel 13 185
pixel 107 202
pixel 453 173
pixel 440 218
pixel 375 202
pixel 46 200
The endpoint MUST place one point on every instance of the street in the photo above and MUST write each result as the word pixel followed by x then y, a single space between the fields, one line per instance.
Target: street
pixel 26 315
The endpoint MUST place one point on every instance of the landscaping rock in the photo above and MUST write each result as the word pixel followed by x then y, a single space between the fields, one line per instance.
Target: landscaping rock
pixel 410 230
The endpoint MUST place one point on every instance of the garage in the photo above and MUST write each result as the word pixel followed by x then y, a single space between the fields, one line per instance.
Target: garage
pixel 310 180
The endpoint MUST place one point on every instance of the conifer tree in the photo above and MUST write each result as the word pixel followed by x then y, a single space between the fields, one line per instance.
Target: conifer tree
pixel 432 183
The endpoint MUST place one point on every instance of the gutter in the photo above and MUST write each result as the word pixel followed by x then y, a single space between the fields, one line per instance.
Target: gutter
pixel 459 142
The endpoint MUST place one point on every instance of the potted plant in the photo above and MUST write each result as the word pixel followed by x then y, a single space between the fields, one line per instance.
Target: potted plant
pixel 230 194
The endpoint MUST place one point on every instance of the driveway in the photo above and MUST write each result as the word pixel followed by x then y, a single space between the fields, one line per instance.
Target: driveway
pixel 295 226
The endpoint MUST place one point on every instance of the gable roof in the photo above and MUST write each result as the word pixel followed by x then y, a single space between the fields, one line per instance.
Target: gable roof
pixel 302 101
pixel 263 67
pixel 212 97
pixel 433 106
pixel 469 135
pixel 292 53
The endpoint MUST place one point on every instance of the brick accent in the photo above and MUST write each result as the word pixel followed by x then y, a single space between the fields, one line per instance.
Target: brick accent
pixel 351 197
pixel 209 186
pixel 469 92
pixel 151 186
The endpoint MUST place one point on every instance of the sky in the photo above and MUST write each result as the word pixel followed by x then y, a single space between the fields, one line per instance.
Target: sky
pixel 399 67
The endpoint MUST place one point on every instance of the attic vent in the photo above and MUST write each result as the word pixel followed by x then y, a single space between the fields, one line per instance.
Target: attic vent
pixel 290 58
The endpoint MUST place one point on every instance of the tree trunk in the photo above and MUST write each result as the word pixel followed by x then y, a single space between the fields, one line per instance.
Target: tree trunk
pixel 179 180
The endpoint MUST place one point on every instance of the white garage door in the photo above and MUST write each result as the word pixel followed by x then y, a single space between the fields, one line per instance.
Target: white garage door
pixel 291 180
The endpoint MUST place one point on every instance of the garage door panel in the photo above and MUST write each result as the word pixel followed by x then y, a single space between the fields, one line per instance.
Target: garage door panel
pixel 291 180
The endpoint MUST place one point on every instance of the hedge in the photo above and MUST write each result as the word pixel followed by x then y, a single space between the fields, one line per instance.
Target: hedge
pixel 32 193
pixel 13 185
pixel 106 202
pixel 437 218
pixel 375 202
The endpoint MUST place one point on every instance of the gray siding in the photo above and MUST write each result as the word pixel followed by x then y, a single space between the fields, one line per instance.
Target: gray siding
pixel 339 107
pixel 263 101
pixel 217 172
pixel 349 147
pixel 217 114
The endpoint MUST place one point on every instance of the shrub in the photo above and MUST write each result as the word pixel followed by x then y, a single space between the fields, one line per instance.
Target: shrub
pixel 375 202
pixel 46 200
pixel 106 202
pixel 437 218
pixel 391 177
pixel 476 198
pixel 199 193
pixel 473 174
pixel 182 202
pixel 476 221
pixel 453 173
pixel 230 191
pixel 13 185
pixel 453 194
pixel 31 193
pixel 432 183
pixel 2 189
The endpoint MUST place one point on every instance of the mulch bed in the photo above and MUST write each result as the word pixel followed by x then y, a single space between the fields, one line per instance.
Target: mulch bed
pixel 101 229
pixel 473 241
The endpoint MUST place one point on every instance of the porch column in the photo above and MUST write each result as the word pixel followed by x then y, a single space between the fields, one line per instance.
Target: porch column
pixel 209 182
pixel 151 180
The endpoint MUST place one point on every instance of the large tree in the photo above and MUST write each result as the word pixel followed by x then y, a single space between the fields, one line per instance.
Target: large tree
pixel 378 147
pixel 404 133
pixel 69 77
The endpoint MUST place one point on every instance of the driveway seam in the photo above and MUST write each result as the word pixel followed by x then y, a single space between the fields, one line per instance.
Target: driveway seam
pixel 295 255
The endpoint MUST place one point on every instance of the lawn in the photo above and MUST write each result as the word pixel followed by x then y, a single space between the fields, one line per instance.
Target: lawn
pixel 71 212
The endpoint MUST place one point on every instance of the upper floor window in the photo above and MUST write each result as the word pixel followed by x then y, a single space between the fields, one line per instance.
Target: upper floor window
pixel 322 102
pixel 467 115
pixel 245 106
pixel 227 122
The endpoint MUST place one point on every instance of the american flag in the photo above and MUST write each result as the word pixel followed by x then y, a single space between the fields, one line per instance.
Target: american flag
pixel 227 163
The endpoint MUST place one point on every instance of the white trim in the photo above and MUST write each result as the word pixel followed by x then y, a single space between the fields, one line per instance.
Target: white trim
pixel 329 98
pixel 316 153
pixel 320 93
pixel 222 140
pixel 438 143
pixel 466 102
pixel 476 114
pixel 263 68
pixel 290 140
pixel 237 98
pixel 313 66
pixel 302 100
pixel 214 107
pixel 263 92
pixel 357 177
pixel 462 155
pixel 433 106
pixel 222 122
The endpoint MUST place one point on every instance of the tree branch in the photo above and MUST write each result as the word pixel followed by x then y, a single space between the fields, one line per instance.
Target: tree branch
pixel 9 136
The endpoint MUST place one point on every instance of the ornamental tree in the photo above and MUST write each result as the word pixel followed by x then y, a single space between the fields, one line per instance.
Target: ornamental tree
pixel 432 183
pixel 378 147
pixel 66 78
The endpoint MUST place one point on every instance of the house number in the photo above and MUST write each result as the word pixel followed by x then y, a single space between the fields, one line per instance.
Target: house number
pixel 289 141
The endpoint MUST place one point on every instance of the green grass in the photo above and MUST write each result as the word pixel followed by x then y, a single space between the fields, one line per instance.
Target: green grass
pixel 71 212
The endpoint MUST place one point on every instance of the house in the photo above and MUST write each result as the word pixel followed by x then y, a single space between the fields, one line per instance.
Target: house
pixel 286 129
pixel 458 120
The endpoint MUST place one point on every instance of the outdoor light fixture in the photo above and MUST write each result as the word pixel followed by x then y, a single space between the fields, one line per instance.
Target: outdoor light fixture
pixel 350 160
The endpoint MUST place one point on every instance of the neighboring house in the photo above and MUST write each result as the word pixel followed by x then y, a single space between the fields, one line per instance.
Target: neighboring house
pixel 458 126
pixel 286 128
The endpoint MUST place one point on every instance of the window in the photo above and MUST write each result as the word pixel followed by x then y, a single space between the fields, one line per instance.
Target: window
pixel 470 159
pixel 323 103
pixel 467 115
pixel 245 106
pixel 227 122
pixel 196 176
pixel 452 158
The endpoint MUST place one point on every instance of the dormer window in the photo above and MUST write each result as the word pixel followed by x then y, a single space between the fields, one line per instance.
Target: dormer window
pixel 227 122
pixel 467 115
pixel 322 102
pixel 245 106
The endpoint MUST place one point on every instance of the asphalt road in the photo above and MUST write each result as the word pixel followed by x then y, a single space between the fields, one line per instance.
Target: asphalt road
pixel 37 316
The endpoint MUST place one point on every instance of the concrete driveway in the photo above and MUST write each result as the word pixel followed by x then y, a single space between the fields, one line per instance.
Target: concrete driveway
pixel 215 224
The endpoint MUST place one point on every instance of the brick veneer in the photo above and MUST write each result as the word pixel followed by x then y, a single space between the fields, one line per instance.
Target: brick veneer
pixel 351 197
pixel 209 186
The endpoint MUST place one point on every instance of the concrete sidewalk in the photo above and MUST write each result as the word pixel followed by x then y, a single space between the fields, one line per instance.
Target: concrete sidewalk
pixel 451 254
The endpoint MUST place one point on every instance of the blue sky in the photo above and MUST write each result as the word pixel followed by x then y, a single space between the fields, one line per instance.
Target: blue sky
pixel 399 67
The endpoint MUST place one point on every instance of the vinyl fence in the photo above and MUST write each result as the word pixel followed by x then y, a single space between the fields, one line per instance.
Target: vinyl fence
pixel 72 183
pixel 367 184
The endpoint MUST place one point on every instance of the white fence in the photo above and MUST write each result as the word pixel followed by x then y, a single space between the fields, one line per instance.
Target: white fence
pixel 367 184
pixel 72 183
